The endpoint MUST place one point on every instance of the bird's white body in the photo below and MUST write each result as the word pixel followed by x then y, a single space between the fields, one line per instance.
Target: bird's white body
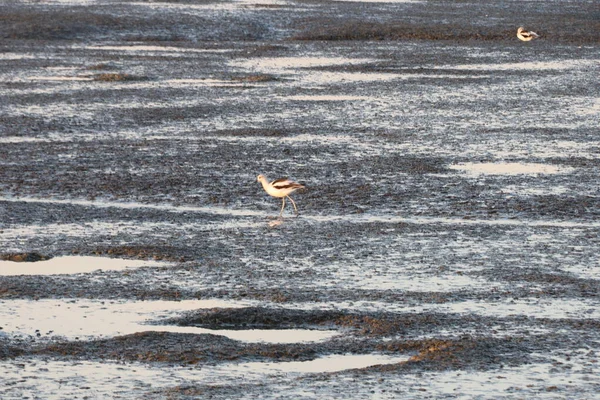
pixel 526 36
pixel 281 188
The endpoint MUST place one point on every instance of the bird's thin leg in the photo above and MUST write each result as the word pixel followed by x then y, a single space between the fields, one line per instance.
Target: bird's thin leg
pixel 282 206
pixel 294 204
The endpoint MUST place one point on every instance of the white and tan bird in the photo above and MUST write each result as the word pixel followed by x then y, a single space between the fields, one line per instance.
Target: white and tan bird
pixel 282 188
pixel 526 36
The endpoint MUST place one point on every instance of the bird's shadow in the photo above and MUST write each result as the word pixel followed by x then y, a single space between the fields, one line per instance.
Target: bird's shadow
pixel 277 221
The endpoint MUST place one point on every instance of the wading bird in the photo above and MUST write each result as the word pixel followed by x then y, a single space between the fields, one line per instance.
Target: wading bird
pixel 526 36
pixel 282 187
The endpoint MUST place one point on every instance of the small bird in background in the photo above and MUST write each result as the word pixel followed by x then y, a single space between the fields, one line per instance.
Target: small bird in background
pixel 282 187
pixel 526 36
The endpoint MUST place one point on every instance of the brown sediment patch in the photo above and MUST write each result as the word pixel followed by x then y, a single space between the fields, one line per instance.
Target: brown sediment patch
pixel 548 278
pixel 431 355
pixel 379 324
pixel 24 257
pixel 432 350
pixel 415 165
pixel 100 67
pixel 9 292
pixel 9 351
pixel 118 77
pixel 362 324
pixel 266 49
pixel 368 325
pixel 40 287
pixel 256 317
pixel 274 295
pixel 137 252
pixel 465 352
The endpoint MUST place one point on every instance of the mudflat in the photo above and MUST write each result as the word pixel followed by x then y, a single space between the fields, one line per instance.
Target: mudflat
pixel 447 241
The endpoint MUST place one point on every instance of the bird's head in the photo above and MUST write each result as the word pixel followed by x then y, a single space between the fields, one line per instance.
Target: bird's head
pixel 260 178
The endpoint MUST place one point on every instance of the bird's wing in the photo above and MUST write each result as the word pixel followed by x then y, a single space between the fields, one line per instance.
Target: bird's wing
pixel 529 34
pixel 285 183
pixel 280 180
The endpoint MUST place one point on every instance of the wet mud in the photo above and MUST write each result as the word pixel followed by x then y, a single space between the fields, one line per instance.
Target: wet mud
pixel 447 240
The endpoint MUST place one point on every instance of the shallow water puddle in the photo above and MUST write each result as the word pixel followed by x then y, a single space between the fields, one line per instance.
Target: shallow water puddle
pixel 410 282
pixel 61 379
pixel 69 2
pixel 73 265
pixel 528 190
pixel 585 271
pixel 278 64
pixel 322 79
pixel 345 141
pixel 153 49
pixel 333 363
pixel 547 378
pixel 532 65
pixel 208 82
pixel 505 168
pixel 281 336
pixel 12 238
pixel 531 307
pixel 93 319
pixel 338 97
pixel 589 106
pixel 61 78
pixel 538 308
pixel 300 68
pixel 134 205
pixel 24 139
pixel 16 56
pixel 233 212
pixel 393 218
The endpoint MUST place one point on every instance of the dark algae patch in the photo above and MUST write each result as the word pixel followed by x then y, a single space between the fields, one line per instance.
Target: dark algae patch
pixel 175 348
pixel 24 257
